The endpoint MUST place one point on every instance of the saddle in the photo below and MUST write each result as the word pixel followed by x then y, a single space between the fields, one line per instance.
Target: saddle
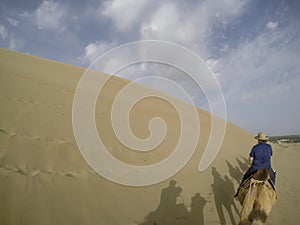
pixel 262 175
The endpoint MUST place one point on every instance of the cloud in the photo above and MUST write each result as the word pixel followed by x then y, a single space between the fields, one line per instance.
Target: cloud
pixel 12 22
pixel 13 44
pixel 49 15
pixel 265 66
pixel 124 13
pixel 24 15
pixel 94 50
pixel 3 32
pixel 272 25
pixel 190 24
pixel 170 23
pixel 243 71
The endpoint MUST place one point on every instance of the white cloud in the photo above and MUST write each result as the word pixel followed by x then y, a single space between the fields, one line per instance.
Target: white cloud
pixel 125 13
pixel 3 32
pixel 49 15
pixel 15 43
pixel 184 23
pixel 212 64
pixel 190 25
pixel 170 23
pixel 12 21
pixel 94 50
pixel 12 44
pixel 24 15
pixel 259 67
pixel 272 25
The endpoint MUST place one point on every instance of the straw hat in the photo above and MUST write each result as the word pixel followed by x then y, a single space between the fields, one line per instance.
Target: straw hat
pixel 261 136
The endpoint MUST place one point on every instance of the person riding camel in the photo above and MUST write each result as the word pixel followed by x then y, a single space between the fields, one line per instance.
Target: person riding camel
pixel 259 157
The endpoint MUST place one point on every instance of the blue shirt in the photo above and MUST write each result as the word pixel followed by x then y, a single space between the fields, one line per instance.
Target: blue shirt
pixel 261 153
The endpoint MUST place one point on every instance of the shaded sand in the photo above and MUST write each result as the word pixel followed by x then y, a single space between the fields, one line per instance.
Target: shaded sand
pixel 45 180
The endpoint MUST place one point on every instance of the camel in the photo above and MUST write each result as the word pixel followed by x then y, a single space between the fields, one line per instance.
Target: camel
pixel 257 197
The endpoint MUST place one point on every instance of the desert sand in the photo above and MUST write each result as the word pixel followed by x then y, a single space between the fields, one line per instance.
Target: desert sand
pixel 44 179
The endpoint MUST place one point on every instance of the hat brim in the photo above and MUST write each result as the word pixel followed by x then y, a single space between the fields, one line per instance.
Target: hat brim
pixel 262 139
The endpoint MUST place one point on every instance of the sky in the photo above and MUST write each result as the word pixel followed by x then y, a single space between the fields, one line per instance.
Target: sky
pixel 252 47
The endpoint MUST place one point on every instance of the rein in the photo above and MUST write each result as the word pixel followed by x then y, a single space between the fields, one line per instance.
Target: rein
pixel 252 183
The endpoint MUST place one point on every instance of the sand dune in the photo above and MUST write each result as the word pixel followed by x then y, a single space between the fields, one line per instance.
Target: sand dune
pixel 45 180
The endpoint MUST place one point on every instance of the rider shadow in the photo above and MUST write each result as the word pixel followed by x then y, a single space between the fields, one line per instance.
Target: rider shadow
pixel 170 212
pixel 235 172
pixel 223 190
pixel 196 216
pixel 243 165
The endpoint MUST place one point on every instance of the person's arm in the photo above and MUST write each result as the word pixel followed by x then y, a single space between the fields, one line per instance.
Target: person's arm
pixel 251 156
pixel 251 159
pixel 271 150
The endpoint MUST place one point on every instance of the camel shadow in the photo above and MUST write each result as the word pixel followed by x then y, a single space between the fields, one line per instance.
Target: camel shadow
pixel 244 164
pixel 235 172
pixel 223 190
pixel 169 212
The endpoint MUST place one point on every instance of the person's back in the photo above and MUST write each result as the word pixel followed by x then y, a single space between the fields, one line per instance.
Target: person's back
pixel 261 154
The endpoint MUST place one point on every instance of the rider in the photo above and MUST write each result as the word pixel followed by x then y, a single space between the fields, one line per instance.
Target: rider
pixel 260 157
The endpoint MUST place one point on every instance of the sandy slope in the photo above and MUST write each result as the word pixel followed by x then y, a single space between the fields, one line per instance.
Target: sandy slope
pixel 45 180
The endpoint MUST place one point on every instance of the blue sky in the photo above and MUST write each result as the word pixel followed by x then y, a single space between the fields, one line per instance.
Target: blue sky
pixel 252 46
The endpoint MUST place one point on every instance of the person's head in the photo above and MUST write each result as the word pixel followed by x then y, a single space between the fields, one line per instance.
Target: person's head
pixel 172 183
pixel 261 137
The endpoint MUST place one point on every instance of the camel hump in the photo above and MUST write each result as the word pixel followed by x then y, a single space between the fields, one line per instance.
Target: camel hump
pixel 262 174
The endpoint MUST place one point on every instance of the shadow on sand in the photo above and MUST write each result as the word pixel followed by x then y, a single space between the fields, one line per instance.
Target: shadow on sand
pixel 235 172
pixel 223 190
pixel 244 164
pixel 169 212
